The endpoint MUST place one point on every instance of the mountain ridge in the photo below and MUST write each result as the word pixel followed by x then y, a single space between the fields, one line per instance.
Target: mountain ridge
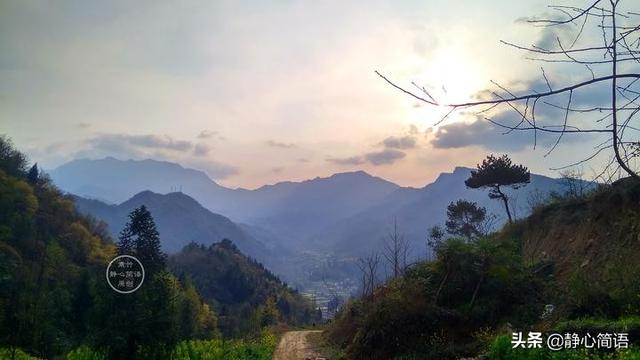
pixel 315 203
pixel 180 219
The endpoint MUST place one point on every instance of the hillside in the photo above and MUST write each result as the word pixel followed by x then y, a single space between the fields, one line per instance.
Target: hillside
pixel 243 292
pixel 180 219
pixel 55 302
pixel 567 267
pixel 594 237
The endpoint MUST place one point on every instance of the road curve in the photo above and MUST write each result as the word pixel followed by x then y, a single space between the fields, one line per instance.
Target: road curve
pixel 295 345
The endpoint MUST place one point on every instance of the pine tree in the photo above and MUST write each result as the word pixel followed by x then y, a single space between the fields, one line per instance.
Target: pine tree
pixel 496 172
pixel 33 174
pixel 140 238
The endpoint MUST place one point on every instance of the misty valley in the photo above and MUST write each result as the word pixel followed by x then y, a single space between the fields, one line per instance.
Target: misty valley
pixel 309 233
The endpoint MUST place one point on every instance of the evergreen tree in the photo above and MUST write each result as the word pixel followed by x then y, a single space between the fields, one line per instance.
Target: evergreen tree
pixel 496 172
pixel 12 161
pixel 33 174
pixel 141 239
pixel 464 218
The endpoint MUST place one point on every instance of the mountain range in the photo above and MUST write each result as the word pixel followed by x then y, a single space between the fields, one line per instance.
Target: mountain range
pixel 290 210
pixel 342 216
pixel 415 210
pixel 181 220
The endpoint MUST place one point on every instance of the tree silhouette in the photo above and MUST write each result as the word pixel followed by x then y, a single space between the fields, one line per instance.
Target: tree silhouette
pixel 369 270
pixel 33 174
pixel 465 218
pixel 396 250
pixel 435 236
pixel 608 64
pixel 496 172
pixel 141 239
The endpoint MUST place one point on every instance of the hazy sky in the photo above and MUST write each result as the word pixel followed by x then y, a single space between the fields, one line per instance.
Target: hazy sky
pixel 256 92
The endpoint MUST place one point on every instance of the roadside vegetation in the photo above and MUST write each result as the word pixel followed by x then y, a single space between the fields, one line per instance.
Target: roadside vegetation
pixel 566 268
pixel 55 303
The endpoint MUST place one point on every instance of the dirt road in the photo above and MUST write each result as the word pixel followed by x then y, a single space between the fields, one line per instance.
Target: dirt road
pixel 295 345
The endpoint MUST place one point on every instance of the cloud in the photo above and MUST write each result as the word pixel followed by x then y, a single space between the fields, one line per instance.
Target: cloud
pixel 206 134
pixel 403 142
pixel 384 157
pixel 549 113
pixel 119 141
pixel 353 160
pixel 548 37
pixel 281 145
pixel 376 158
pixel 389 154
pixel 201 149
pixel 482 132
pixel 82 125
pixel 479 132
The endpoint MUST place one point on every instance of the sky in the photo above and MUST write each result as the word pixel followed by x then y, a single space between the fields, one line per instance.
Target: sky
pixel 256 92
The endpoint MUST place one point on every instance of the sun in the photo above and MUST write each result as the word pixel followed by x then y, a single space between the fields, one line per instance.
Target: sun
pixel 450 76
pixel 456 75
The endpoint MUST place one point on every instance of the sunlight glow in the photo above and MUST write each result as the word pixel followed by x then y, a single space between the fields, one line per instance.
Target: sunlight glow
pixel 451 76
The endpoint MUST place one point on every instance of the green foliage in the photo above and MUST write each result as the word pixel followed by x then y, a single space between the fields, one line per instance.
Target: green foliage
pixel 257 349
pixel 12 162
pixel 140 238
pixel 85 353
pixel 436 308
pixel 465 218
pixel 149 322
pixel 498 171
pixel 495 172
pixel 48 254
pixel 15 354
pixel 245 294
pixel 53 297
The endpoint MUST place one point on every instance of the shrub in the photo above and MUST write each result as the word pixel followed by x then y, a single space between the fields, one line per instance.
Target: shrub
pixel 17 354
pixel 85 353
pixel 217 349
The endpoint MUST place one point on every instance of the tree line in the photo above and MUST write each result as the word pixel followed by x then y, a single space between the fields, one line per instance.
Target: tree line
pixel 54 297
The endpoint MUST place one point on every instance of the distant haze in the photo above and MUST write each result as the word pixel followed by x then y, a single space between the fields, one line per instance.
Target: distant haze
pixel 346 214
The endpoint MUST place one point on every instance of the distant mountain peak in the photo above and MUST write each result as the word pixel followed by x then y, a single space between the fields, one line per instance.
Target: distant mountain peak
pixel 461 169
pixel 357 175
pixel 354 174
pixel 149 195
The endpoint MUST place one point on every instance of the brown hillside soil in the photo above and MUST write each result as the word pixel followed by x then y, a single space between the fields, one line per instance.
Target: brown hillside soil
pixel 598 235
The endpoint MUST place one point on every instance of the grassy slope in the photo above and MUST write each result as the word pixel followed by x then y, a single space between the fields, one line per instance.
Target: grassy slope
pixel 595 234
pixel 588 244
